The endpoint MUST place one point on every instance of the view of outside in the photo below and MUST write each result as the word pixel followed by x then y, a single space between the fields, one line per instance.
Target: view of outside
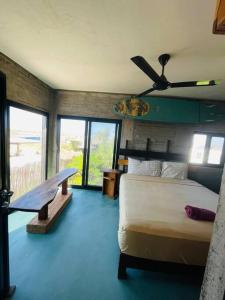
pixel 27 150
pixel 72 135
pixel 216 149
pixel 101 150
pixel 198 148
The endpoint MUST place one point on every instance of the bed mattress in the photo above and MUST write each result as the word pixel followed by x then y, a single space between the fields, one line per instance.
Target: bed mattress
pixel 153 223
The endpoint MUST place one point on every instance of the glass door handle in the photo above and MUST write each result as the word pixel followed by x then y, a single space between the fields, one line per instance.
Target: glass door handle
pixel 5 197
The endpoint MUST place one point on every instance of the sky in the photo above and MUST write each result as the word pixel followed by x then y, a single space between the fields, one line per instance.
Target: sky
pixel 24 120
pixel 28 121
pixel 76 128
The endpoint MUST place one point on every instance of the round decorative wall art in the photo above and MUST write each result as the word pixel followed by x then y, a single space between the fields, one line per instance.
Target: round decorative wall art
pixel 132 107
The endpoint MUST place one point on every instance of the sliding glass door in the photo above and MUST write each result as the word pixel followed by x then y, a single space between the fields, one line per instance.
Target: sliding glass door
pixel 28 133
pixel 72 144
pixel 89 145
pixel 101 150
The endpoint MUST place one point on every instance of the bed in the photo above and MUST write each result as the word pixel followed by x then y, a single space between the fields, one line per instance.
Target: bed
pixel 154 230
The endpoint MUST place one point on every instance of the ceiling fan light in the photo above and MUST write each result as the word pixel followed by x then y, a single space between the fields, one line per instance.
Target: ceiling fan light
pixel 203 82
pixel 208 82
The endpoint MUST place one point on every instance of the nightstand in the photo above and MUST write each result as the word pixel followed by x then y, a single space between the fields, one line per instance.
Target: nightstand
pixel 111 182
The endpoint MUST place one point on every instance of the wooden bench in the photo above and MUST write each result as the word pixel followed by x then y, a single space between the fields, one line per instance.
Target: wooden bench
pixel 40 200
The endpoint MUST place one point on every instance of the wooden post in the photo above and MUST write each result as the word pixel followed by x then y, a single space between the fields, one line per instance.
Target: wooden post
pixel 147 147
pixel 125 157
pixel 65 187
pixel 168 145
pixel 214 278
pixel 43 213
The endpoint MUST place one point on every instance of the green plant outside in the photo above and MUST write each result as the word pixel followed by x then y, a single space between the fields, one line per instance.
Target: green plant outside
pixel 101 155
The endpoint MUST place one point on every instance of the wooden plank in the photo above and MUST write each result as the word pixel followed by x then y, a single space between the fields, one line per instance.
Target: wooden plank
pixel 43 194
pixel 54 210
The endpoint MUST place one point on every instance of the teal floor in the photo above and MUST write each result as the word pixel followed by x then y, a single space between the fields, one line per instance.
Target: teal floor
pixel 78 259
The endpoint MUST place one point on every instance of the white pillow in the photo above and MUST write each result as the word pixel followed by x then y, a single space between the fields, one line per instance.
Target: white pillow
pixel 176 170
pixel 145 167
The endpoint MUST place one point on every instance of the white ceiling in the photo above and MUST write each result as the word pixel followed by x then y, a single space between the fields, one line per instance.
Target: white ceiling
pixel 86 45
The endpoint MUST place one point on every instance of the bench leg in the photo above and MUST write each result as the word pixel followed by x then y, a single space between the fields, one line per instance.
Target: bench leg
pixel 43 213
pixel 65 187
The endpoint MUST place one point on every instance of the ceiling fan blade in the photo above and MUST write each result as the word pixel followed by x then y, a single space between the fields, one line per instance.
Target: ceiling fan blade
pixel 146 92
pixel 194 83
pixel 146 68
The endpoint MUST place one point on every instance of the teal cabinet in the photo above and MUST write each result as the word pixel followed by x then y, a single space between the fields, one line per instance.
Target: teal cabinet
pixel 211 112
pixel 172 110
pixel 169 110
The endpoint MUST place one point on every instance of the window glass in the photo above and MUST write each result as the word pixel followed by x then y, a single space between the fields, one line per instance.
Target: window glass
pixel 215 150
pixel 27 150
pixel 101 150
pixel 72 136
pixel 198 148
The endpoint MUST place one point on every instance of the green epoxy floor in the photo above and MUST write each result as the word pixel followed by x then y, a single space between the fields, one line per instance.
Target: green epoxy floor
pixel 78 259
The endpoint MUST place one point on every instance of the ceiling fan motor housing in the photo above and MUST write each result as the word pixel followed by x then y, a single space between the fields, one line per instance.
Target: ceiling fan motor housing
pixel 163 59
pixel 161 86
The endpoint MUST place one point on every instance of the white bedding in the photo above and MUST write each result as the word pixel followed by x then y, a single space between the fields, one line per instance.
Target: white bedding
pixel 153 223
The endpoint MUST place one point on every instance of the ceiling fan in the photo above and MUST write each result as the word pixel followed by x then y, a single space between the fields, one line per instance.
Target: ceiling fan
pixel 160 81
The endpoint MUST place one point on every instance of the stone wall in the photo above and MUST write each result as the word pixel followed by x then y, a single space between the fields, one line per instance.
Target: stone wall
pixel 23 87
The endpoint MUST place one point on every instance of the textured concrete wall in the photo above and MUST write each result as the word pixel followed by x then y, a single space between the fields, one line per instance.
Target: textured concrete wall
pixel 87 103
pixel 179 134
pixel 214 279
pixel 100 105
pixel 52 139
pixel 23 87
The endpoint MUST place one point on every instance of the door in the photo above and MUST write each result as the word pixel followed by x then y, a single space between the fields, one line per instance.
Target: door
pixel 5 194
pixel 89 145
pixel 101 150
pixel 72 148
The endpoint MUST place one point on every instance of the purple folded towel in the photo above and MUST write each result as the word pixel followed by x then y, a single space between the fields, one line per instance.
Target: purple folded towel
pixel 199 214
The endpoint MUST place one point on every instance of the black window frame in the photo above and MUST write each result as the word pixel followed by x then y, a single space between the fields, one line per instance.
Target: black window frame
pixel 209 136
pixel 37 111
pixel 88 121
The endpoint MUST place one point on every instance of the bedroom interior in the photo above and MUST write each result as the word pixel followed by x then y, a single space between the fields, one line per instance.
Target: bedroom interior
pixel 112 149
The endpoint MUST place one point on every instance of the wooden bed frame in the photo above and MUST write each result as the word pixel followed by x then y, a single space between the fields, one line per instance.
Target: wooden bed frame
pixel 205 175
pixel 127 261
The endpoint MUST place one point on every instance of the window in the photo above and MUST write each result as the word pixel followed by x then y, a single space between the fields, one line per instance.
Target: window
pixel 27 149
pixel 72 144
pixel 207 149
